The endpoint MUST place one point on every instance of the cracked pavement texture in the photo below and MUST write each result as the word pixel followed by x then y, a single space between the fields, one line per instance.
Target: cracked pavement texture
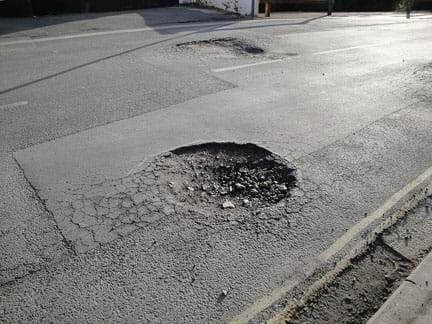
pixel 355 123
pixel 161 193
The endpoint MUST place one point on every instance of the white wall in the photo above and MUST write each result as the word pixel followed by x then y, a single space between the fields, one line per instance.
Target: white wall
pixel 242 7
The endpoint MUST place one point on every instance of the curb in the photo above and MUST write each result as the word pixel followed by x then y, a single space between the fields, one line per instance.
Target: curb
pixel 412 301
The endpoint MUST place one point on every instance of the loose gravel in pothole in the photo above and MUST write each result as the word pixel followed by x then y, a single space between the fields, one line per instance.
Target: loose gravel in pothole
pixel 240 174
pixel 238 46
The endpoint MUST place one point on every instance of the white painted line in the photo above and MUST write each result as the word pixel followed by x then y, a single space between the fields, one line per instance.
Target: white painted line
pixel 238 67
pixel 110 32
pixel 349 48
pixel 15 104
pixel 377 214
pixel 299 19
pixel 261 304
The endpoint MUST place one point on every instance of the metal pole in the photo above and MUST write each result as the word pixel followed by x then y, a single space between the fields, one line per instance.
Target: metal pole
pixel 408 7
pixel 330 6
pixel 267 8
pixel 253 8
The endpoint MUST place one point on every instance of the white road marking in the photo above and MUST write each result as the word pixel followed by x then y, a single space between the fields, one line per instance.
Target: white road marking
pixel 110 32
pixel 425 180
pixel 377 214
pixel 238 67
pixel 143 29
pixel 15 104
pixel 344 49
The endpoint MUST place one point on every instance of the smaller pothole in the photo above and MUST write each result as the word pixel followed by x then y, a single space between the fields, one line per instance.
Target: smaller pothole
pixel 238 46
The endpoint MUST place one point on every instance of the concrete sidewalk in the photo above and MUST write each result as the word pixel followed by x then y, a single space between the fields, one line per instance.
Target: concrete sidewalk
pixel 412 301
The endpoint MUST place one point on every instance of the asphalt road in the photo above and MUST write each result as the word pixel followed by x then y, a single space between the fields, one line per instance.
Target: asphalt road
pixel 347 99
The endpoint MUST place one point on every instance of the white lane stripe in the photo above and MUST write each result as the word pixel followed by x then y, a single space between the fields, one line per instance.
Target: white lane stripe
pixel 143 29
pixel 15 104
pixel 238 67
pixel 349 48
pixel 110 32
pixel 424 179
pixel 377 214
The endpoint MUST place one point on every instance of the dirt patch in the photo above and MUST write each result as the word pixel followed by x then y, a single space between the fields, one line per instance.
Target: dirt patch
pixel 357 292
pixel 235 45
pixel 360 290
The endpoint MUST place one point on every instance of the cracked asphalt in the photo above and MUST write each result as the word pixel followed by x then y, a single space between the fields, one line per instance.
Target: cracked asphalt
pixel 85 123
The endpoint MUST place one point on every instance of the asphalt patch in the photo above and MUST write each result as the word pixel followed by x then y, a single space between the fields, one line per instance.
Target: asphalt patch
pixel 238 46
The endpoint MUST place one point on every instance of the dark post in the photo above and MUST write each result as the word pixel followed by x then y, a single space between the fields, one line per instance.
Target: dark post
pixel 408 7
pixel 267 8
pixel 30 8
pixel 330 6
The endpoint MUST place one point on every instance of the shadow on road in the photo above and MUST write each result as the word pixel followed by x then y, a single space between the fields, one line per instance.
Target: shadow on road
pixel 77 67
pixel 90 22
pixel 163 31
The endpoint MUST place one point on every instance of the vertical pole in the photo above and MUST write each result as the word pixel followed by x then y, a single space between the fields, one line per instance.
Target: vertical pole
pixel 408 7
pixel 330 6
pixel 267 8
pixel 253 8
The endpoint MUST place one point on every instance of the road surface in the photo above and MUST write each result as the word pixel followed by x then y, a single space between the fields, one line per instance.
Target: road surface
pixel 347 99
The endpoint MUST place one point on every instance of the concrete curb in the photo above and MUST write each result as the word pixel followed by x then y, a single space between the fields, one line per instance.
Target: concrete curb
pixel 412 301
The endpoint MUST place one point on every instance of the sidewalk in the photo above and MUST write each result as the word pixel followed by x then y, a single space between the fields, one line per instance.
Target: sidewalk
pixel 16 28
pixel 412 301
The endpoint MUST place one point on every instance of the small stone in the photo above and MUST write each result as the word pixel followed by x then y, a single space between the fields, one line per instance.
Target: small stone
pixel 171 184
pixel 239 186
pixel 190 189
pixel 262 216
pixel 254 191
pixel 227 204
pixel 282 187
pixel 390 278
pixel 224 292
pixel 246 202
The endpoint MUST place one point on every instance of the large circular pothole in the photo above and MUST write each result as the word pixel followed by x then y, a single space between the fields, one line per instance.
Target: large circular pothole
pixel 214 186
pixel 234 174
